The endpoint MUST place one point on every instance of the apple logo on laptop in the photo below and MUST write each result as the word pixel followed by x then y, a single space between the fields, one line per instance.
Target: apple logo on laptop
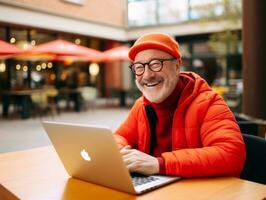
pixel 84 154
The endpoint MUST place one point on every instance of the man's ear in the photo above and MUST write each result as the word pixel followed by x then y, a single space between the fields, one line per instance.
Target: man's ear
pixel 178 64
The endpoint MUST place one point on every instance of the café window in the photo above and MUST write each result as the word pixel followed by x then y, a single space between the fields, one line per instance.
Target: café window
pixel 19 38
pixel 184 48
pixel 142 12
pixel 153 12
pixel 201 48
pixel 38 37
pixel 173 11
pixel 206 8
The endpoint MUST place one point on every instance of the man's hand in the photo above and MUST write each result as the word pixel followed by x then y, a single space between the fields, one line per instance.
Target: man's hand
pixel 137 161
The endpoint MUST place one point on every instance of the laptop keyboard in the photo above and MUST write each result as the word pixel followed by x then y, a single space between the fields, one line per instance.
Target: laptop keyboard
pixel 139 179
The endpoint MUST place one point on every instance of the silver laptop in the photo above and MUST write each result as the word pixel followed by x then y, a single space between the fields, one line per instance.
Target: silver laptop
pixel 90 153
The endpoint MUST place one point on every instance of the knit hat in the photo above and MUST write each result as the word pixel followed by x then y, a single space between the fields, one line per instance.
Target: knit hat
pixel 159 41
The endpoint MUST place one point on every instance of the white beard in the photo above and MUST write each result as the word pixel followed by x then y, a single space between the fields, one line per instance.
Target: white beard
pixel 159 93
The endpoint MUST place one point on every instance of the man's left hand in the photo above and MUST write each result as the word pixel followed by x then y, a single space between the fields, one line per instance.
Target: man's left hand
pixel 137 161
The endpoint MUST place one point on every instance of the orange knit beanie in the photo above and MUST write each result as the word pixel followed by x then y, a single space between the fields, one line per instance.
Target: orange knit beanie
pixel 159 41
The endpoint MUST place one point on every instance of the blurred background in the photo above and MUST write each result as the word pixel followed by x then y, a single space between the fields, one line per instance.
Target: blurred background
pixel 69 58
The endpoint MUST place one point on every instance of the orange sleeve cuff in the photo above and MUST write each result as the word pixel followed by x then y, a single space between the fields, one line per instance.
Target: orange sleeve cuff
pixel 120 141
pixel 161 165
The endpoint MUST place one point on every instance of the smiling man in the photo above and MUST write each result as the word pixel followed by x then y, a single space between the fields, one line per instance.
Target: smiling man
pixel 179 126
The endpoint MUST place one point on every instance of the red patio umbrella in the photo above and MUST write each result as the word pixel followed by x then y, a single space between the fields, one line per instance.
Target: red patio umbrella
pixel 60 49
pixel 7 49
pixel 119 53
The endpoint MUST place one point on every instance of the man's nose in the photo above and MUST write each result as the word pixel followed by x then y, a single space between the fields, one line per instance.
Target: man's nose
pixel 148 72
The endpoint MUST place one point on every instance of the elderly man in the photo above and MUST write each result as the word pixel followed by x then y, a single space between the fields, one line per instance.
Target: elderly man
pixel 179 126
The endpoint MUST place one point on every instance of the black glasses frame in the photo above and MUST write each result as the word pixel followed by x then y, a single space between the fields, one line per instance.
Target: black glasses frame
pixel 148 63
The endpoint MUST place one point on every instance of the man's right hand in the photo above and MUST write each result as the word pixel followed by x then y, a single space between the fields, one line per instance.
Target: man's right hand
pixel 137 161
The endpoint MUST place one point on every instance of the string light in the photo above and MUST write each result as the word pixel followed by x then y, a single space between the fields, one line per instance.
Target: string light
pixel 44 65
pixel 77 41
pixel 25 68
pixel 33 42
pixel 12 40
pixel 18 66
pixel 50 65
pixel 2 67
pixel 94 69
pixel 38 67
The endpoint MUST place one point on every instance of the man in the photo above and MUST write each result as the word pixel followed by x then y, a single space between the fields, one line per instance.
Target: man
pixel 179 126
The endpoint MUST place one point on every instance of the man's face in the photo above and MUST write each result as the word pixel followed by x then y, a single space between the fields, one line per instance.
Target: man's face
pixel 157 86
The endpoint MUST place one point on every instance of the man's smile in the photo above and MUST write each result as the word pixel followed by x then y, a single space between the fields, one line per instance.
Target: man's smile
pixel 153 84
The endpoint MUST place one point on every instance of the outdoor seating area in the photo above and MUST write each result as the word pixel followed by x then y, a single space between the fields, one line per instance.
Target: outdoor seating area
pixel 48 102
pixel 52 86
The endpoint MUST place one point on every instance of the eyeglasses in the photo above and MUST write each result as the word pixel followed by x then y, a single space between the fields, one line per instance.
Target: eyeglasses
pixel 155 65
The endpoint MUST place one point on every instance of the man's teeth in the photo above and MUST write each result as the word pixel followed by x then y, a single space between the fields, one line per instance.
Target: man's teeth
pixel 151 84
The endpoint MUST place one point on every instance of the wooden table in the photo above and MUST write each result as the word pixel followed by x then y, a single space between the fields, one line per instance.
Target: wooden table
pixel 39 174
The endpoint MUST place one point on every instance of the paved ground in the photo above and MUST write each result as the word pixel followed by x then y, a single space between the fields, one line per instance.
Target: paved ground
pixel 19 134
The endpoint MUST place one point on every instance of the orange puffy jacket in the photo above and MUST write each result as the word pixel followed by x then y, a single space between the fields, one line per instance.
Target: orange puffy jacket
pixel 206 140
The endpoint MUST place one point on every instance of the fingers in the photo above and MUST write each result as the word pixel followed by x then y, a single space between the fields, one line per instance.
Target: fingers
pixel 130 158
pixel 125 150
pixel 134 167
pixel 137 161
pixel 127 147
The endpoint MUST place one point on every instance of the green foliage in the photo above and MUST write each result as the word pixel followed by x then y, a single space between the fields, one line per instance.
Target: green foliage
pixel 227 41
pixel 223 42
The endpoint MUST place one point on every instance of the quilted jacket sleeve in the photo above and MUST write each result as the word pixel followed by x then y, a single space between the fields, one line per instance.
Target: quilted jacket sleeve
pixel 223 149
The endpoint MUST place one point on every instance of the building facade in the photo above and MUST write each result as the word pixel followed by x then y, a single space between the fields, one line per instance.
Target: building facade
pixel 209 33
